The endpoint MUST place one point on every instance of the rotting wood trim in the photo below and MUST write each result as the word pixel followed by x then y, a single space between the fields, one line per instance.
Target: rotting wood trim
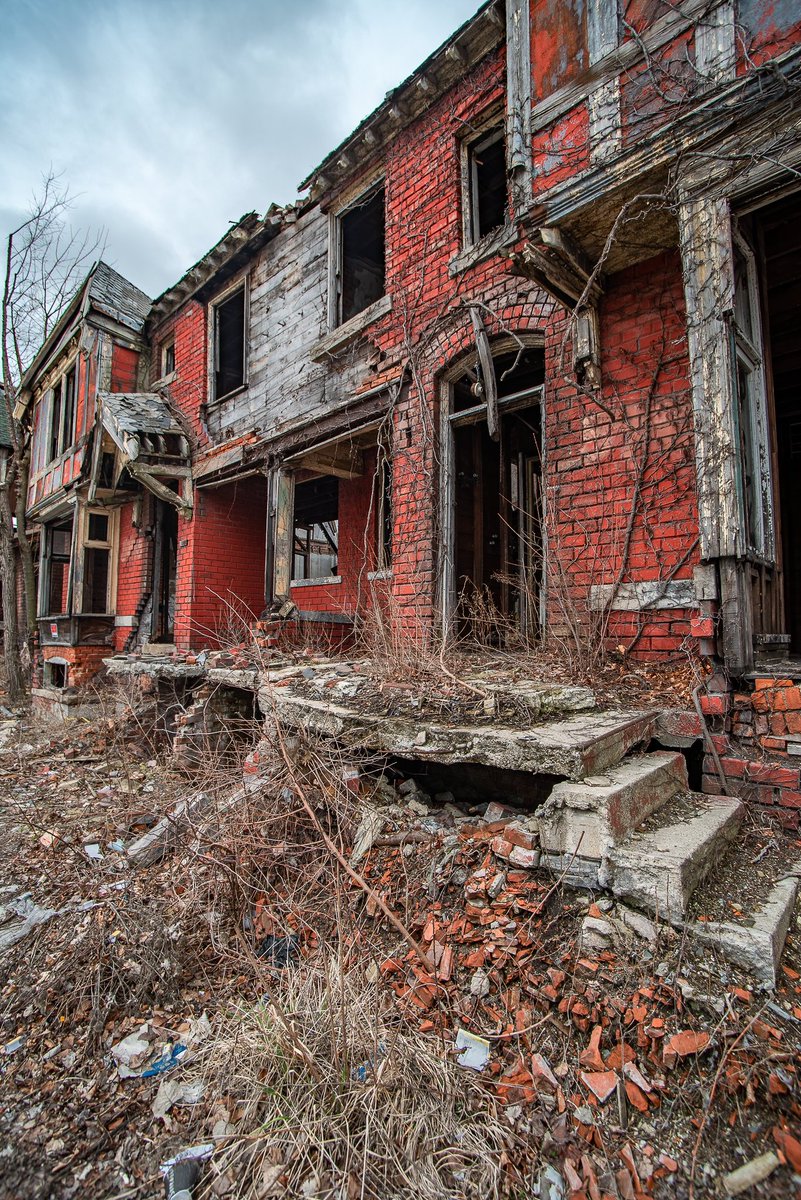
pixel 339 338
pixel 489 381
pixel 183 502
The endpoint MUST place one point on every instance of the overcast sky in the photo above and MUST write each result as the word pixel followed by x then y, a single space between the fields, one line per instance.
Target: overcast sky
pixel 171 118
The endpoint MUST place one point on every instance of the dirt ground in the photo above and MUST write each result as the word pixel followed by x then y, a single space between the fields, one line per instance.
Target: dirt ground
pixel 297 1016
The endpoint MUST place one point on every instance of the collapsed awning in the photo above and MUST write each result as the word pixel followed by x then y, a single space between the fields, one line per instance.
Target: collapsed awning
pixel 152 445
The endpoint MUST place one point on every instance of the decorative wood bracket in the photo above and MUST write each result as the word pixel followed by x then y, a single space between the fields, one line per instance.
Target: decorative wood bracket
pixel 559 266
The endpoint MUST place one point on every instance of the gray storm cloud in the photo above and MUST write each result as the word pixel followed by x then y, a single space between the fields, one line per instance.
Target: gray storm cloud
pixel 168 119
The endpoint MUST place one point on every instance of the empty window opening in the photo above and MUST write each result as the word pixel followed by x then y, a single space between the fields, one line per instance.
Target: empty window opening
pixel 316 529
pixel 68 417
pixel 96 564
pixel 55 421
pixel 56 673
pixel 767 322
pixel 487 184
pixel 56 568
pixel 362 255
pixel 168 359
pixel 517 372
pixel 229 345
pixel 384 514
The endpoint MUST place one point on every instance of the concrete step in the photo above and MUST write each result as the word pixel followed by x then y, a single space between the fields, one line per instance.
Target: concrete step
pixel 756 940
pixel 588 817
pixel 659 866
pixel 588 744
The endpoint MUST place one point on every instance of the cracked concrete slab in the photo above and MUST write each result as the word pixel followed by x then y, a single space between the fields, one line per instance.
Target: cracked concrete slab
pixel 574 747
pixel 590 816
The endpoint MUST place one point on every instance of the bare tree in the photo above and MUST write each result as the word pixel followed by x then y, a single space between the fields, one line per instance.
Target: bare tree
pixel 45 262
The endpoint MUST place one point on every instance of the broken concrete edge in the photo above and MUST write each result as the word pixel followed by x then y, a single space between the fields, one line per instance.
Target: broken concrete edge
pixel 659 869
pixel 758 947
pixel 555 747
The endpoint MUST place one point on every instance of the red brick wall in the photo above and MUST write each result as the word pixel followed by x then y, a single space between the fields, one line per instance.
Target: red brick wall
pixel 221 563
pixel 758 739
pixel 620 479
pixel 135 565
pixel 84 661
pixel 188 389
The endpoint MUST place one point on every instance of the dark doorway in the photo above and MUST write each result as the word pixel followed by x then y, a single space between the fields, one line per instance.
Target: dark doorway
pixel 776 233
pixel 165 559
pixel 498 504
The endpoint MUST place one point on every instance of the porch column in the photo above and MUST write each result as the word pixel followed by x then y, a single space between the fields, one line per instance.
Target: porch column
pixel 281 516
pixel 707 268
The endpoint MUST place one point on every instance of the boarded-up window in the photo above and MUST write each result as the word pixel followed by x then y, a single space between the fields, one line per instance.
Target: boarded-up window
pixel 229 344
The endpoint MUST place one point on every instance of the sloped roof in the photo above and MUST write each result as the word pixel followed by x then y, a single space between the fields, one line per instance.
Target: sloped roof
pixel 129 414
pixel 115 295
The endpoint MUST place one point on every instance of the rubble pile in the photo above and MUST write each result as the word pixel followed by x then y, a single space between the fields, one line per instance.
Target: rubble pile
pixel 154 930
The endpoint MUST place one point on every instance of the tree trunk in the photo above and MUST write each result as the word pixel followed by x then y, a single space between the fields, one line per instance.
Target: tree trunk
pixel 15 678
pixel 26 554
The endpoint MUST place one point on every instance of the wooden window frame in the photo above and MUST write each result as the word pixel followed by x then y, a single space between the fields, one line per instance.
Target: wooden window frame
pixel 110 543
pixel 336 261
pixel 490 129
pixel 242 284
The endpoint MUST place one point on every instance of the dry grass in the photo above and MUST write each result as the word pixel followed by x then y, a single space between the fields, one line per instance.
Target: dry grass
pixel 337 1099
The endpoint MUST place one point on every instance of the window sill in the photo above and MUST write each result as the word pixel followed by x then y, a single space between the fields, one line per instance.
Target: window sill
pixel 384 573
pixel 491 243
pixel 228 395
pixel 164 381
pixel 339 337
pixel 323 581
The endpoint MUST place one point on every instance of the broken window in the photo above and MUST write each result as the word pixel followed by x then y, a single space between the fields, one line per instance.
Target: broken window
pixel 486 181
pixel 229 344
pixel 62 413
pixel 95 587
pixel 56 568
pixel 168 359
pixel 361 255
pixel 316 529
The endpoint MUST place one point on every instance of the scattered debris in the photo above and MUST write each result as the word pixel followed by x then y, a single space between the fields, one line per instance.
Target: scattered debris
pixel 475 1050
pixel 752 1173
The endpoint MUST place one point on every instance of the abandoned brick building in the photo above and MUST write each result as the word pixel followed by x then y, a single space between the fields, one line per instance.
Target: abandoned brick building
pixel 527 350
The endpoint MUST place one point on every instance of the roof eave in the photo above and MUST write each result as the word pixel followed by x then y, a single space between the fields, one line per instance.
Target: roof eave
pixel 476 38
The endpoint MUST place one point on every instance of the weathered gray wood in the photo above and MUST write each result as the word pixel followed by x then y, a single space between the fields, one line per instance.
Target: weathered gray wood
pixel 518 102
pixel 707 267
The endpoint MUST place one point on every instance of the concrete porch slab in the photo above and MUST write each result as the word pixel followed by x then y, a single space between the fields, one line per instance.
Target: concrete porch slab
pixel 660 868
pixel 573 748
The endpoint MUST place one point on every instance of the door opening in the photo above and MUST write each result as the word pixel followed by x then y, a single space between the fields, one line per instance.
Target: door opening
pixel 775 233
pixel 165 560
pixel 497 503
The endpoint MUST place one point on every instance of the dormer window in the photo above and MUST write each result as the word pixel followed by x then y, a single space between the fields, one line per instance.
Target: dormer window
pixel 62 413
